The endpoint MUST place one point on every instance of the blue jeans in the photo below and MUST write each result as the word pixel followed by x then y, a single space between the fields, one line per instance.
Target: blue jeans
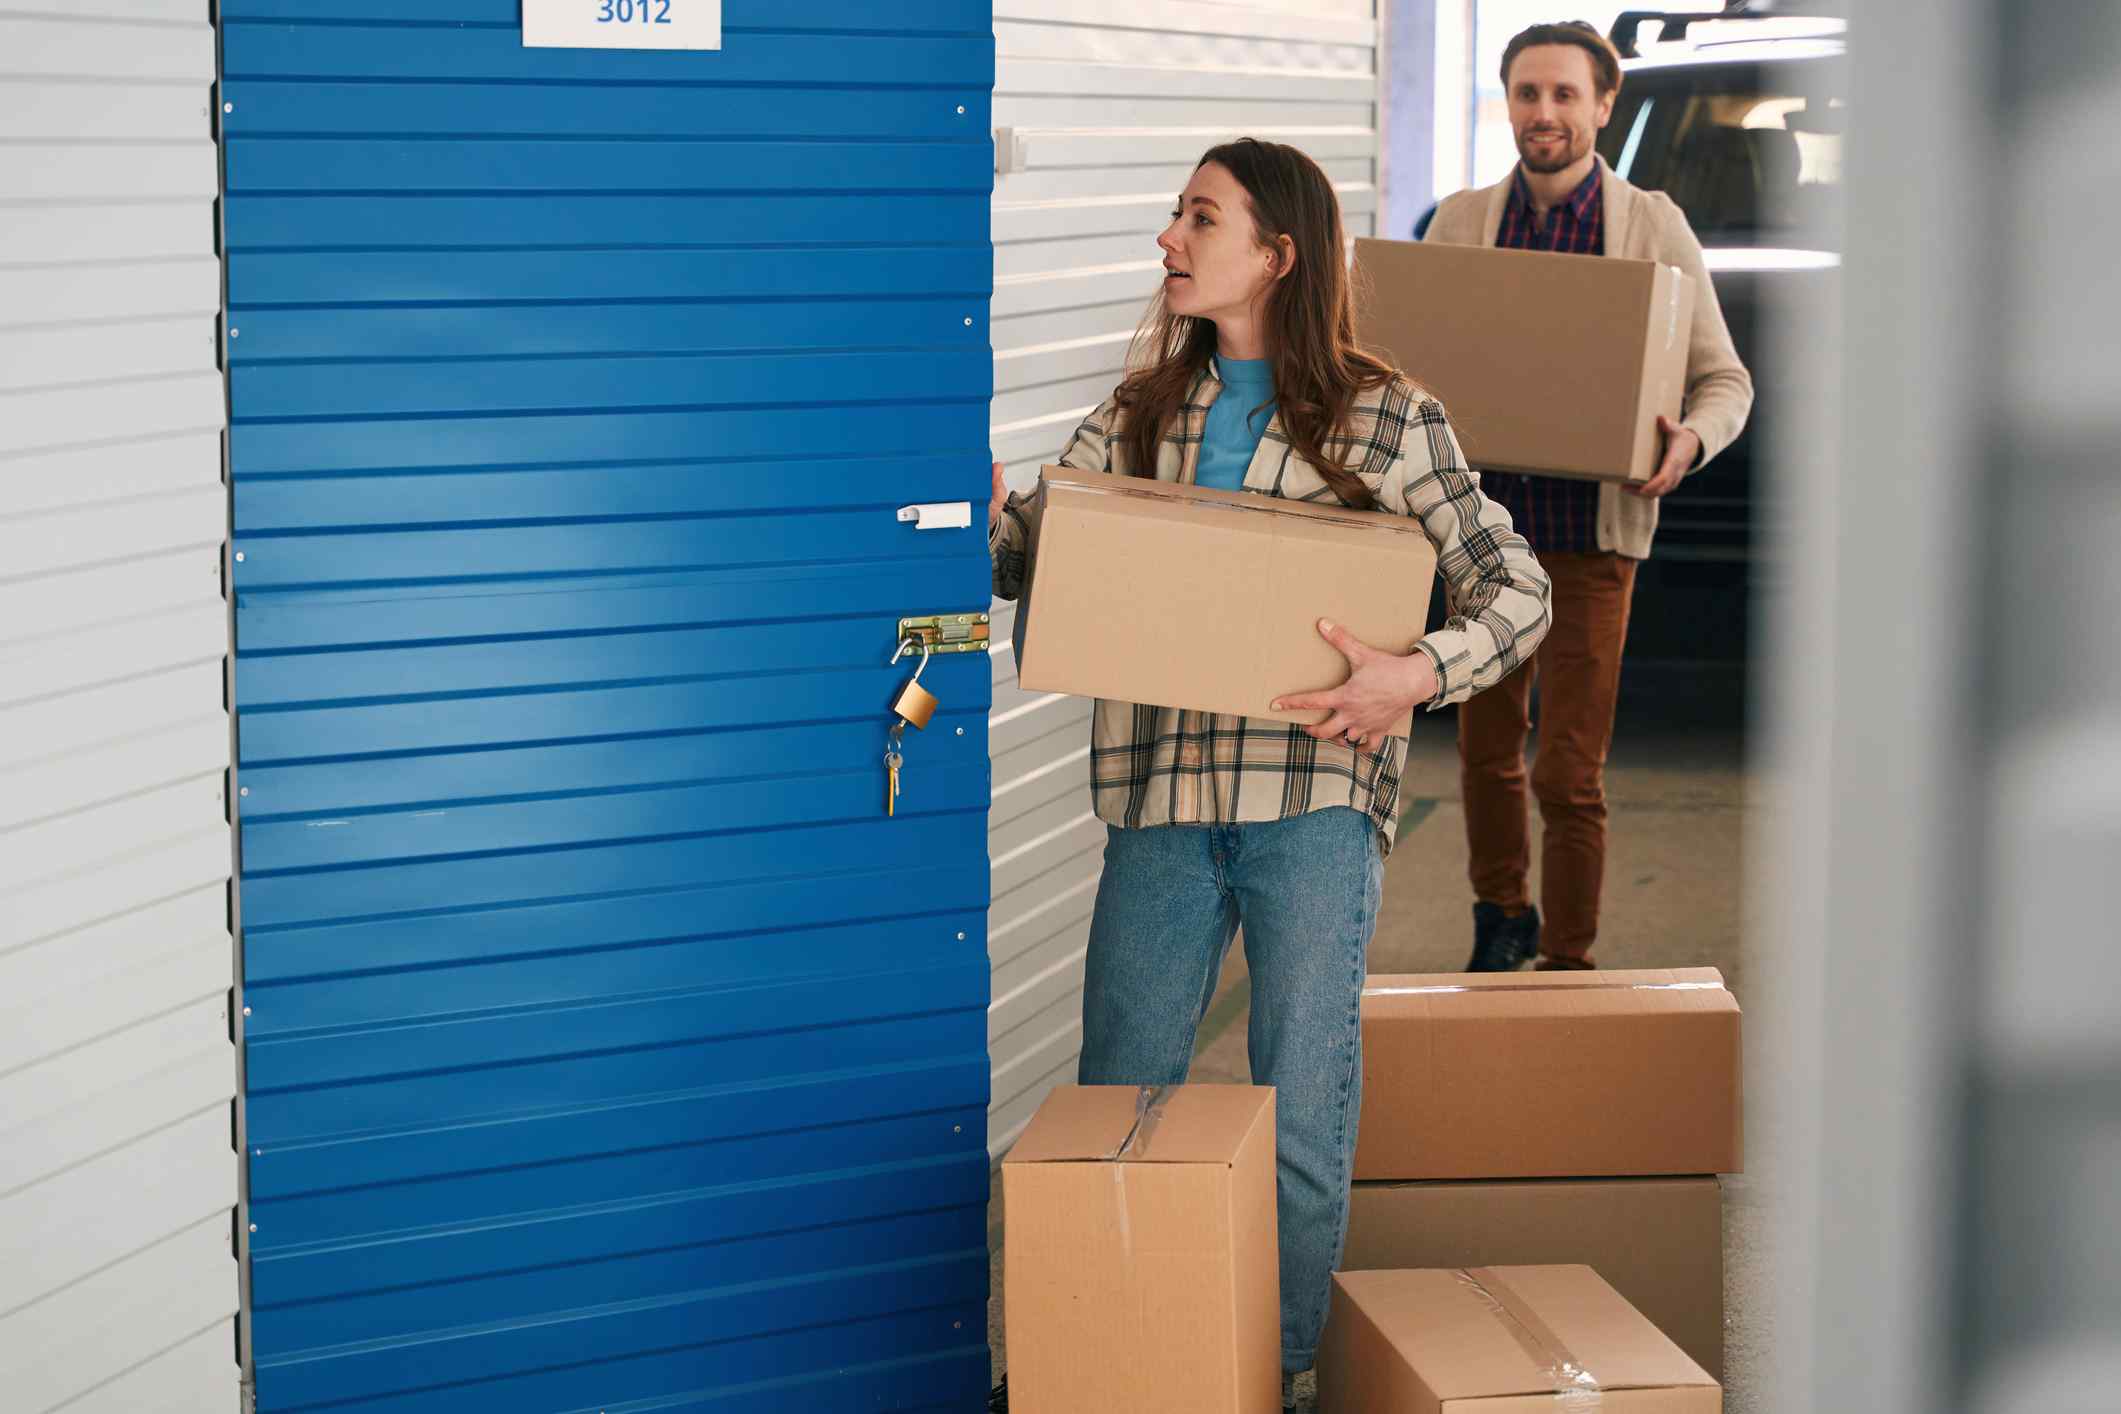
pixel 1307 890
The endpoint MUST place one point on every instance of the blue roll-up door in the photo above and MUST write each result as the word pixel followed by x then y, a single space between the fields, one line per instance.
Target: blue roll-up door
pixel 606 1047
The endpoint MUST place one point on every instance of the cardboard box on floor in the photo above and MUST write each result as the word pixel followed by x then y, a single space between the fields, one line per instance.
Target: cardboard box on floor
pixel 1550 1075
pixel 1184 596
pixel 1556 364
pixel 1658 1241
pixel 1142 1268
pixel 1499 1340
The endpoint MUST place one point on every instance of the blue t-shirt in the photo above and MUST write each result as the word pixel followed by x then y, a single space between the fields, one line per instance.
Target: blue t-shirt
pixel 1233 431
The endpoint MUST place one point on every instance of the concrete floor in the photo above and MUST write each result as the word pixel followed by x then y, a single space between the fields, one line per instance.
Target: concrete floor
pixel 1679 809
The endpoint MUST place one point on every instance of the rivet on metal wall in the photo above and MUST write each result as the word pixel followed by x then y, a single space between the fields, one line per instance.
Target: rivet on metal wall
pixel 246 1011
pixel 968 321
pixel 238 333
pixel 243 791
pixel 961 937
pixel 239 557
pixel 230 108
pixel 253 1227
pixel 960 108
pixel 960 731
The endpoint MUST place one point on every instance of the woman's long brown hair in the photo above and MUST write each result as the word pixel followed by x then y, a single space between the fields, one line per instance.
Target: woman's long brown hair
pixel 1309 326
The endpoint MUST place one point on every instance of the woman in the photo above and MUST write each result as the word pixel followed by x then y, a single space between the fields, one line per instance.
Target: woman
pixel 1247 375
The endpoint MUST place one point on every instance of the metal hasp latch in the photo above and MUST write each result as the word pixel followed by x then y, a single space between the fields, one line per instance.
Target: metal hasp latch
pixel 946 633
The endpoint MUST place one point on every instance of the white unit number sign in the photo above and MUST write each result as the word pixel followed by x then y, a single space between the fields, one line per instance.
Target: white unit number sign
pixel 622 24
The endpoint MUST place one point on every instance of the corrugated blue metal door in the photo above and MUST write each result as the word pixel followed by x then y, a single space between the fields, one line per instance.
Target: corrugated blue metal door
pixel 606 1048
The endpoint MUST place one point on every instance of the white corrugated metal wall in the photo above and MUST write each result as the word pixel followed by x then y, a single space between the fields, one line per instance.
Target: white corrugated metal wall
pixel 1102 108
pixel 117 1171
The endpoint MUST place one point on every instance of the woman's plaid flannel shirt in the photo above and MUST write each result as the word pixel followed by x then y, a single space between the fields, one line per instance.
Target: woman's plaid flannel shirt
pixel 1164 765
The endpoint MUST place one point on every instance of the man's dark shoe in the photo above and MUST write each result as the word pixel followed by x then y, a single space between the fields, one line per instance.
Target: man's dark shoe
pixel 1502 943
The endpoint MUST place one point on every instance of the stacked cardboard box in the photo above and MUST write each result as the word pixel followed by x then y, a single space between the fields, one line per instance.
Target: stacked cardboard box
pixel 1487 1339
pixel 1142 1270
pixel 1544 1118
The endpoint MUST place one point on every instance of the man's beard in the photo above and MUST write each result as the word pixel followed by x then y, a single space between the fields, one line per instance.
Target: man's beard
pixel 1567 156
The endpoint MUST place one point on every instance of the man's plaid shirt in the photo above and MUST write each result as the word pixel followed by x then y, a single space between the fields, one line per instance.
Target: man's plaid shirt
pixel 1165 765
pixel 1559 516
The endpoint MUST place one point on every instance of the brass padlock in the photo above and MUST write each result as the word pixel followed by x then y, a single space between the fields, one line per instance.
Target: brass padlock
pixel 914 703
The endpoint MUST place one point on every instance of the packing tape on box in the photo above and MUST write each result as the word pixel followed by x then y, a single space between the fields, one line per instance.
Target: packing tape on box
pixel 1148 1109
pixel 1383 520
pixel 1574 1386
pixel 1126 1221
pixel 1446 988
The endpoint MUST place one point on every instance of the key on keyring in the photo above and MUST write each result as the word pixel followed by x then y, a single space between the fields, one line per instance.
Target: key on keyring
pixel 892 761
pixel 914 704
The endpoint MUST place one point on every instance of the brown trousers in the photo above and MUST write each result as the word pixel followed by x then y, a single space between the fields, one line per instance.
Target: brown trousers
pixel 1578 670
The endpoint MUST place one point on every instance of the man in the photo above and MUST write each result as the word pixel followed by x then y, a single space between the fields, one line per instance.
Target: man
pixel 1561 81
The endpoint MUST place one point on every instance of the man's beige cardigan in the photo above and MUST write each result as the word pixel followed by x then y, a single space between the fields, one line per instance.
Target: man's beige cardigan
pixel 1639 225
